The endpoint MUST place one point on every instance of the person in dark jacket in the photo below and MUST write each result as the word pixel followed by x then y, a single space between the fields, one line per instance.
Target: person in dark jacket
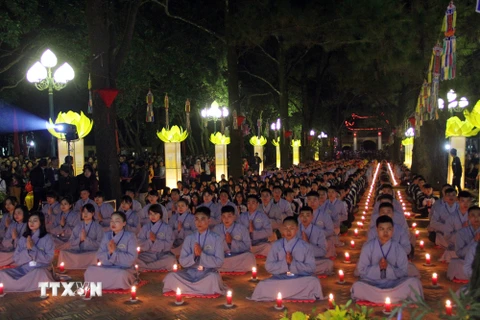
pixel 88 180
pixel 38 180
pixel 67 184
pixel 457 170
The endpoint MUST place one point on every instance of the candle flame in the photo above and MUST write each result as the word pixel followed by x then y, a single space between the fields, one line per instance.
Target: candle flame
pixel 1 285
pixel 427 256
pixel 330 296
pixel 136 266
pixel 229 293
pixel 138 249
pixel 99 263
pixel 448 303
pixel 417 232
pixel 175 267
pixel 340 272
pixel 279 295
pixel 421 242
pixel 347 255
pixel 179 292
pixel 254 269
pixel 387 300
pixel 434 275
pixel 352 242
pixel 134 289
pixel 356 230
pixel 62 264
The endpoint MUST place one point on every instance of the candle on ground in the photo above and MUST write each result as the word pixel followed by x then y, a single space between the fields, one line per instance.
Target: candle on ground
pixel 341 276
pixel 347 257
pixel 229 298
pixel 1 288
pixel 352 244
pixel 99 264
pixel 388 305
pixel 62 267
pixel 138 249
pixel 422 244
pixel 448 308
pixel 134 293
pixel 87 293
pixel 427 258
pixel 136 267
pixel 417 233
pixel 254 273
pixel 175 268
pixel 355 232
pixel 178 296
pixel 279 300
pixel 434 279
pixel 363 218
pixel 330 301
pixel 414 225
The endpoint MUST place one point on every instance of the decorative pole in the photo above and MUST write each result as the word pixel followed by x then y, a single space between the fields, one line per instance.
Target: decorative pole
pixel 221 161
pixel 187 111
pixel 149 99
pixel 173 153
pixel 167 124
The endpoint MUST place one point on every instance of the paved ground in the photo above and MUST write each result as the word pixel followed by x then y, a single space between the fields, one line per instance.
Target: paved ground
pixel 153 305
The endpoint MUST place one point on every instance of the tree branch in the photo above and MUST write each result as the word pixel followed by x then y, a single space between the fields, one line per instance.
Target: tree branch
pixel 128 34
pixel 267 54
pixel 13 85
pixel 11 64
pixel 264 80
pixel 298 61
pixel 167 12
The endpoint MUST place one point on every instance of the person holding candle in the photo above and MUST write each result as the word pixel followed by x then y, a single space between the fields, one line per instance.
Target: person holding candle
pixel 258 225
pixel 322 218
pixel 315 236
pixel 117 254
pixel 454 223
pixel 51 209
pixel 383 267
pixel 33 256
pixel 182 224
pixel 201 257
pixel 215 217
pixel 143 215
pixel 464 237
pixel 155 241
pixel 237 243
pixel 14 232
pixel 64 223
pixel 7 219
pixel 279 207
pixel 133 221
pixel 84 242
pixel 105 210
pixel 440 212
pixel 291 262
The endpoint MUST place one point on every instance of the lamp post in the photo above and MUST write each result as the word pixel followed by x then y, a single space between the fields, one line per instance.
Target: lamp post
pixel 457 143
pixel 41 75
pixel 322 136
pixel 276 126
pixel 215 113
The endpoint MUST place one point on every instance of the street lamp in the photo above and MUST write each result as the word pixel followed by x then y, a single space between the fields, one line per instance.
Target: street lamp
pixel 41 75
pixel 454 105
pixel 275 126
pixel 215 113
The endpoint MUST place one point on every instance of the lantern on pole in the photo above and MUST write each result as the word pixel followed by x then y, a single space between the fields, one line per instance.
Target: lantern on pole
pixel 149 99
pixel 167 125
pixel 90 100
pixel 187 113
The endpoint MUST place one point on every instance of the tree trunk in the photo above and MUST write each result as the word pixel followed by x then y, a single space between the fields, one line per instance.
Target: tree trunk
pixel 283 105
pixel 429 155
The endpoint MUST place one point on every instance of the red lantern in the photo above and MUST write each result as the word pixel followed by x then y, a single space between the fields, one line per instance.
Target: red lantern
pixel 240 120
pixel 288 134
pixel 107 95
pixel 412 121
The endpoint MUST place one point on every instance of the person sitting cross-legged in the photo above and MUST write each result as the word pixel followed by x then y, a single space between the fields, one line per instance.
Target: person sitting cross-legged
pixel 292 264
pixel 383 269
pixel 237 243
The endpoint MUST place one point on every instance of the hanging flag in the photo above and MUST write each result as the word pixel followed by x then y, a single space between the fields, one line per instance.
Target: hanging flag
pixel 90 100
pixel 150 115
pixel 449 58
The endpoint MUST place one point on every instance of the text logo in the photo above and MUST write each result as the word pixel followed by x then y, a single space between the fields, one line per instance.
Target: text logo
pixel 72 289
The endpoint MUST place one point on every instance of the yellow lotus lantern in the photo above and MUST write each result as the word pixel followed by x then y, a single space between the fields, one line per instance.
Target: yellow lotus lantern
pixel 84 125
pixel 407 141
pixel 474 116
pixel 408 144
pixel 173 153
pixel 175 134
pixel 278 155
pixel 296 144
pixel 81 121
pixel 258 143
pixel 218 138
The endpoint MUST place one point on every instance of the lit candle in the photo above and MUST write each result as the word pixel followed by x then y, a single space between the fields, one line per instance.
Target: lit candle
pixel 254 273
pixel 388 305
pixel 448 308
pixel 341 276
pixel 229 298
pixel 133 297
pixel 62 267
pixel 363 218
pixel 136 267
pixel 99 264
pixel 178 296
pixel 138 249
pixel 175 268
pixel 427 258
pixel 417 233
pixel 330 301
pixel 414 225
pixel 279 301
pixel 1 288
pixel 352 244
pixel 87 293
pixel 347 257
pixel 422 244
pixel 356 232
pixel 434 279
